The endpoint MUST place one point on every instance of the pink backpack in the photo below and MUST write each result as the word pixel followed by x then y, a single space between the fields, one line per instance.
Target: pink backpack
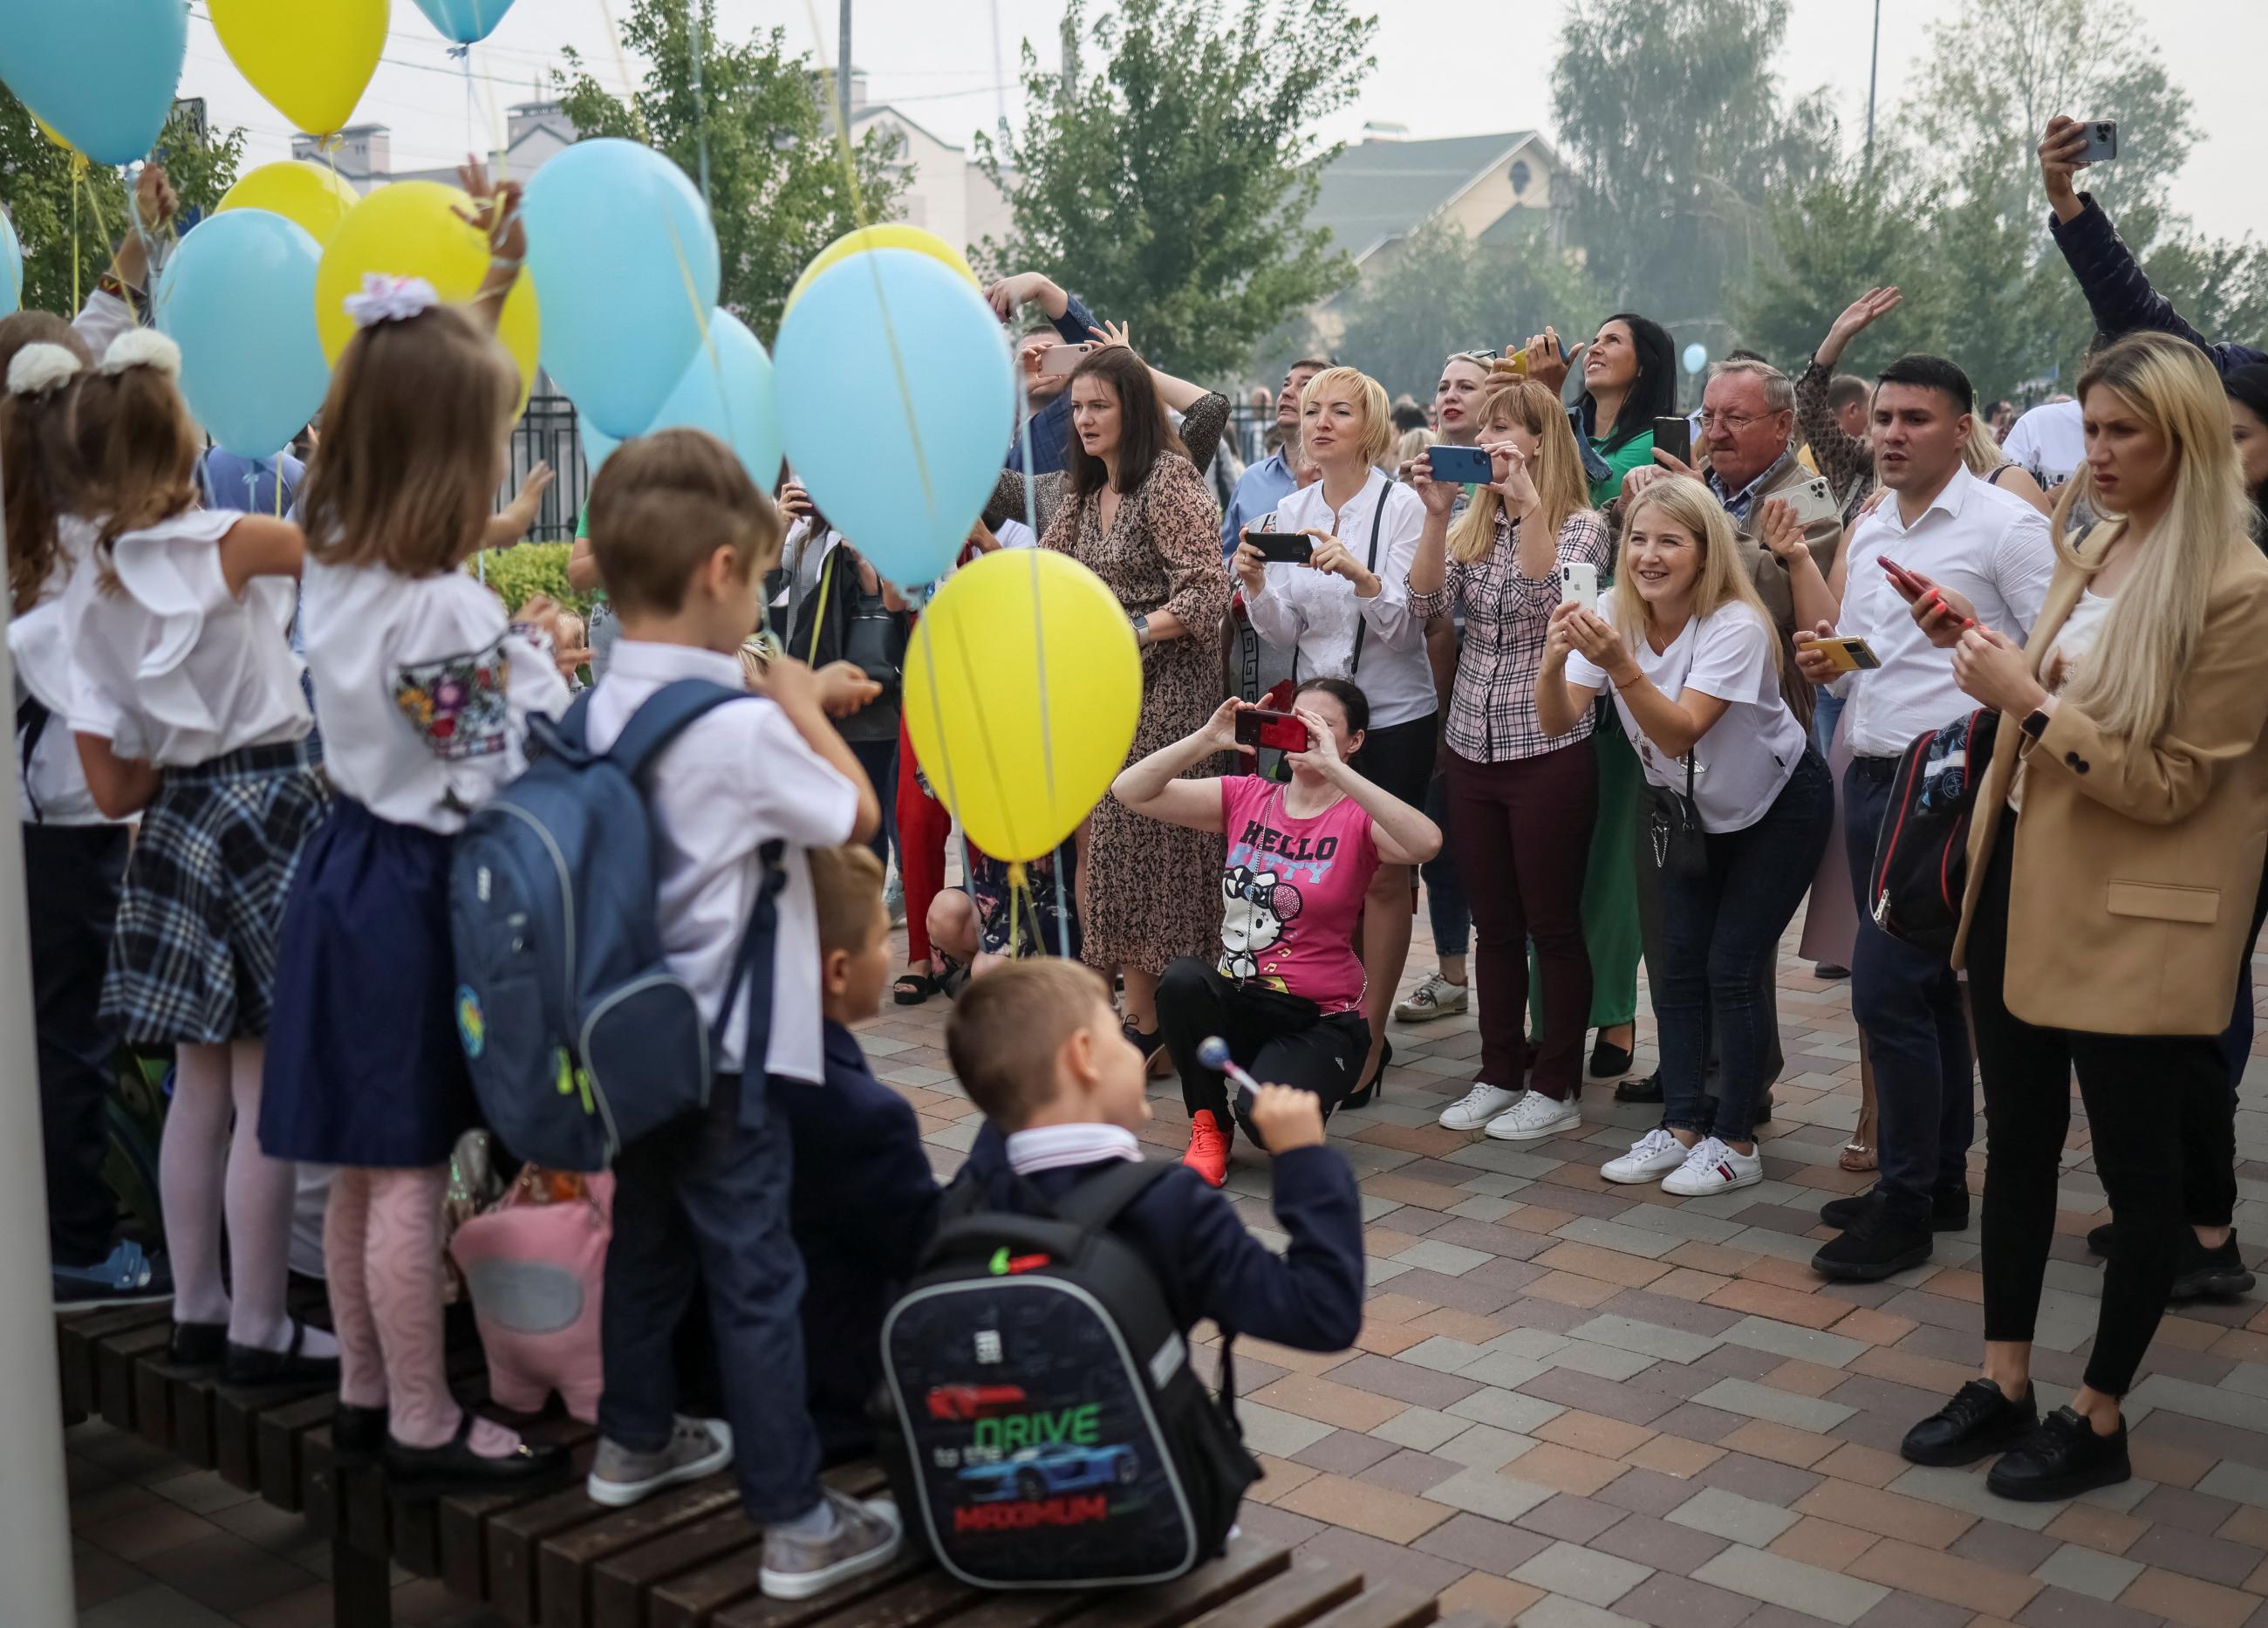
pixel 535 1265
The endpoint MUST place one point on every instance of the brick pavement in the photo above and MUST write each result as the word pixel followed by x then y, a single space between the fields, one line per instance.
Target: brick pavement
pixel 1572 1405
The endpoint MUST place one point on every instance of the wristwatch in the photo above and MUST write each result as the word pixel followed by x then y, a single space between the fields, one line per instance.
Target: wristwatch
pixel 2036 723
pixel 1141 630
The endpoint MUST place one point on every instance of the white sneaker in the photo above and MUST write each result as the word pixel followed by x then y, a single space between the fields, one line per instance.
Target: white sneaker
pixel 619 1477
pixel 1478 1106
pixel 1655 1155
pixel 1435 998
pixel 1713 1168
pixel 1534 1118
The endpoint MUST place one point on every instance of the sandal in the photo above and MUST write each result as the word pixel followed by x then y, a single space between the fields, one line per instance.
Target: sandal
pixel 913 988
pixel 1856 1156
pixel 1152 1048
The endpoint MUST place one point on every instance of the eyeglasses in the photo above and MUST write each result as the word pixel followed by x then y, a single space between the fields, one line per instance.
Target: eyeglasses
pixel 1732 424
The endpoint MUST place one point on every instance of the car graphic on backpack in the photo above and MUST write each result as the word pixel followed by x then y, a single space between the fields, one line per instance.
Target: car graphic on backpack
pixel 1036 1473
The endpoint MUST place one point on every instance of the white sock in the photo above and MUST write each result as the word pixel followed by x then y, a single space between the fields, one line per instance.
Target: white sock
pixel 821 1520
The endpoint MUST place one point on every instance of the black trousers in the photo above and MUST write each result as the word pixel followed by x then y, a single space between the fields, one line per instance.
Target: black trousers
pixel 1322 1055
pixel 71 874
pixel 703 1204
pixel 2158 1106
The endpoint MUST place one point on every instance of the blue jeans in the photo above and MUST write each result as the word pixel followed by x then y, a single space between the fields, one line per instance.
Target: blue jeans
pixel 1719 939
pixel 1908 1004
pixel 1445 889
pixel 879 759
pixel 1826 712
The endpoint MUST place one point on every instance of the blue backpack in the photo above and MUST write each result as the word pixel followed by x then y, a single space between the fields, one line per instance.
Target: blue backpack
pixel 578 1037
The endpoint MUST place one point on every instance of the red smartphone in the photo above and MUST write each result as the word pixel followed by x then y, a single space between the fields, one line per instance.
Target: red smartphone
pixel 1280 730
pixel 1907 583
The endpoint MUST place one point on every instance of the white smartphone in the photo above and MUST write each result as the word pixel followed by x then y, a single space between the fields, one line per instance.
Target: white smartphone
pixel 1579 584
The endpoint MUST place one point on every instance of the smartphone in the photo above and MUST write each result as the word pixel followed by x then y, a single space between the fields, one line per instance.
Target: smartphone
pixel 1517 362
pixel 1675 436
pixel 1062 358
pixel 1279 730
pixel 1846 652
pixel 1813 502
pixel 2102 141
pixel 1579 584
pixel 1462 465
pixel 1905 582
pixel 1281 548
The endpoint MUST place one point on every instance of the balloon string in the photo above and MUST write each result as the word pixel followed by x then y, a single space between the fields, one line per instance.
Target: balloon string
pixel 1019 902
pixel 77 252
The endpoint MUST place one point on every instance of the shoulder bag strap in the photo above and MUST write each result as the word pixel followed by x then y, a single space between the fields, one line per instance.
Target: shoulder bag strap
pixel 1377 519
pixel 32 718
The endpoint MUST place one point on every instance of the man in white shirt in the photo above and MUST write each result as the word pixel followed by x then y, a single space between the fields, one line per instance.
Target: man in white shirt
pixel 1984 554
pixel 2050 441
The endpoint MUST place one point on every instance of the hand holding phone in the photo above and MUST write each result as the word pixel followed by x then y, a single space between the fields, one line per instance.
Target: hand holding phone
pixel 1910 585
pixel 1460 466
pixel 2102 141
pixel 1675 436
pixel 1845 653
pixel 1062 358
pixel 1283 731
pixel 1579 584
pixel 1281 547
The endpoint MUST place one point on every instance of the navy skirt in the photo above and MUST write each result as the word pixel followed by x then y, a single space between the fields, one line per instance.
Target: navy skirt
pixel 364 1066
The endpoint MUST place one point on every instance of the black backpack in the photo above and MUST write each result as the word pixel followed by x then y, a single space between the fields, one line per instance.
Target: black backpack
pixel 1050 1431
pixel 1920 871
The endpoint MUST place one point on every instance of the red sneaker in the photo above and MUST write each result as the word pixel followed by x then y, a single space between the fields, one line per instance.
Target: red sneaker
pixel 1208 1154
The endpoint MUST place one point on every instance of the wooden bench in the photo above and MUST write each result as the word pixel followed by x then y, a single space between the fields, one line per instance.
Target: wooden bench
pixel 684 1558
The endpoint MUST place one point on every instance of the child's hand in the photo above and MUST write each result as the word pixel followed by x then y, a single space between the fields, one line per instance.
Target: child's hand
pixel 496 212
pixel 1287 1117
pixel 155 202
pixel 841 688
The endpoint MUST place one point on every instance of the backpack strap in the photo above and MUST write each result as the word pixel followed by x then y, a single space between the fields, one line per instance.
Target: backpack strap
pixel 32 718
pixel 659 720
pixel 755 948
pixel 1094 1204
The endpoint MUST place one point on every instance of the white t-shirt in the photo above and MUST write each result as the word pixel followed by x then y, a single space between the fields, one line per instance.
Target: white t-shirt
pixel 422 694
pixel 738 778
pixel 2051 441
pixel 1742 764
pixel 2073 643
pixel 52 788
pixel 1318 612
pixel 173 668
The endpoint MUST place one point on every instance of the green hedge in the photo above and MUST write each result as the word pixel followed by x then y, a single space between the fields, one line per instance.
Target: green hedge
pixel 520 573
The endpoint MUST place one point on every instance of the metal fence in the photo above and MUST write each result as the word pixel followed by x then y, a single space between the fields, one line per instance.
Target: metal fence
pixel 547 433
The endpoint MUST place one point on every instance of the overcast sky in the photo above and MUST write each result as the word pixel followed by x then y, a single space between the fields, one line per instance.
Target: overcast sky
pixel 1444 68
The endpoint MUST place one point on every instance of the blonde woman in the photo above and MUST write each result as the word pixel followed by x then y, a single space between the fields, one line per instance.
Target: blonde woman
pixel 2115 846
pixel 1521 801
pixel 1692 658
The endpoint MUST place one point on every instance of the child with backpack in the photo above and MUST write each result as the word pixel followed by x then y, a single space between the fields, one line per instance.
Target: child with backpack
pixel 852 1135
pixel 424 696
pixel 683 537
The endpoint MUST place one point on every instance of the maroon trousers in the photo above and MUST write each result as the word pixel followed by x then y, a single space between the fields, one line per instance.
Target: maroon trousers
pixel 1521 833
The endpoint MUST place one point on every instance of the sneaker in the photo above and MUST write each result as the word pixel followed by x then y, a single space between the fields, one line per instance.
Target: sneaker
pixel 1209 1144
pixel 126 1277
pixel 1608 1062
pixel 2063 1458
pixel 1872 1248
pixel 1979 1421
pixel 1478 1106
pixel 1536 1118
pixel 1948 1210
pixel 1713 1168
pixel 1829 970
pixel 893 897
pixel 2199 1272
pixel 697 1447
pixel 1655 1155
pixel 1435 998
pixel 866 1536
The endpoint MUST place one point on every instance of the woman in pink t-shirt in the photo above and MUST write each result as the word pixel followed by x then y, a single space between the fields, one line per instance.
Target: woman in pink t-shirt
pixel 1286 993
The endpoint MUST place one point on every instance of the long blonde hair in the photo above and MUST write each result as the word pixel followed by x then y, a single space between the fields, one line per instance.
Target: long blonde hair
pixel 1724 580
pixel 2129 682
pixel 1556 469
pixel 1980 452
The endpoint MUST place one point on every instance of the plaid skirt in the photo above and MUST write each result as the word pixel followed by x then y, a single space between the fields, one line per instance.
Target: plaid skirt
pixel 192 961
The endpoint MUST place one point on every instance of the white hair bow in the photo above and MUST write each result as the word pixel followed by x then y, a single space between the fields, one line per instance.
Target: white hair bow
pixel 390 300
pixel 142 347
pixel 39 369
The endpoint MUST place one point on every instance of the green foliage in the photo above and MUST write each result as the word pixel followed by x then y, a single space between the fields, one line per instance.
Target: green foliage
pixel 777 185
pixel 518 574
pixel 1442 291
pixel 1171 188
pixel 35 185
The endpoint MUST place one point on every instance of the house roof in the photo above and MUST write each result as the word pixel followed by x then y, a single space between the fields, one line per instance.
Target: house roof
pixel 874 110
pixel 1383 189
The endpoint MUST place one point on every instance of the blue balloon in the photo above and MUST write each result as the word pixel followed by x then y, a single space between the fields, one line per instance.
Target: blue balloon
pixel 625 263
pixel 466 22
pixel 896 399
pixel 102 72
pixel 11 271
pixel 238 298
pixel 727 392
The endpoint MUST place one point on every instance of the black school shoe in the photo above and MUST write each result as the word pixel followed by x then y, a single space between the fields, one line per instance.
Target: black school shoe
pixel 1874 1247
pixel 1977 1422
pixel 1948 1210
pixel 254 1365
pixel 429 1472
pixel 197 1345
pixel 2061 1459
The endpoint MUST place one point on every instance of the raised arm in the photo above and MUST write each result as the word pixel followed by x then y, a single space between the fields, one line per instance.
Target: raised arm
pixel 495 213
pixel 1842 457
pixel 1154 788
pixel 1815 600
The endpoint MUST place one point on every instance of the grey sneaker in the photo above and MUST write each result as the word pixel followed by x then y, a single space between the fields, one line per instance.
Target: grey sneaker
pixel 697 1447
pixel 1435 998
pixel 866 1536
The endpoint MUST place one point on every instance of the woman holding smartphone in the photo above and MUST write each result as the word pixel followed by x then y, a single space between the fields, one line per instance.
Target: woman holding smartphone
pixel 2115 846
pixel 1691 658
pixel 1520 802
pixel 1286 991
pixel 1345 613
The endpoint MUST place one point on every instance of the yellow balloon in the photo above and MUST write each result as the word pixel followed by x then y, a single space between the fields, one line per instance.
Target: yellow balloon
pixel 410 229
pixel 309 195
pixel 311 61
pixel 1005 630
pixel 893 236
pixel 49 131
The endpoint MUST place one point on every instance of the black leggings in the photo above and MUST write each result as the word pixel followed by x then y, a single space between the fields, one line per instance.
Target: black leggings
pixel 2158 1106
pixel 1319 1054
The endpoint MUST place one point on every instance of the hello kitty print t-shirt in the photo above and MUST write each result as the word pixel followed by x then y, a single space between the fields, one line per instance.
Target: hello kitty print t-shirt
pixel 1291 893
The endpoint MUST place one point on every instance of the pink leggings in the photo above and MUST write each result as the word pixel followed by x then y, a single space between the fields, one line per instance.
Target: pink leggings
pixel 382 1250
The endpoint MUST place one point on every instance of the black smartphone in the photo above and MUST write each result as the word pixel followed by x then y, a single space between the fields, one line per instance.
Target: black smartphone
pixel 1279 730
pixel 1281 548
pixel 1675 436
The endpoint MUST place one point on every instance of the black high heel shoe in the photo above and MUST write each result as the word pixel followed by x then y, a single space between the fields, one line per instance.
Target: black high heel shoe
pixel 1368 1094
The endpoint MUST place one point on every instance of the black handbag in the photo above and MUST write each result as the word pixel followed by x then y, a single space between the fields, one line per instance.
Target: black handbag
pixel 1681 849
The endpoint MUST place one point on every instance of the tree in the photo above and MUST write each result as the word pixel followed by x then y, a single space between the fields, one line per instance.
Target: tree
pixel 1441 291
pixel 775 169
pixel 36 186
pixel 1171 188
pixel 1674 133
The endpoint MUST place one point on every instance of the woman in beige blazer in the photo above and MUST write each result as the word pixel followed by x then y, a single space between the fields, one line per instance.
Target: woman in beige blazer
pixel 2116 847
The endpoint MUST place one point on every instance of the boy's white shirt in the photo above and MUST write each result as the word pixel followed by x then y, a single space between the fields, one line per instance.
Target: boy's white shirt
pixel 1055 1147
pixel 738 778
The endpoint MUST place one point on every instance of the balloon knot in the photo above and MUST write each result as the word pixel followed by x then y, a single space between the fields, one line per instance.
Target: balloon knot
pixel 335 141
pixel 460 52
pixel 1016 874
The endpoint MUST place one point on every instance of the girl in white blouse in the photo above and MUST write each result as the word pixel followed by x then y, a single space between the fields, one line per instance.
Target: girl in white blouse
pixel 423 694
pixel 1692 658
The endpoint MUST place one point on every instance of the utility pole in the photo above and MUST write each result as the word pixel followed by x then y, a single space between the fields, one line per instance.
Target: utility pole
pixel 842 72
pixel 1874 69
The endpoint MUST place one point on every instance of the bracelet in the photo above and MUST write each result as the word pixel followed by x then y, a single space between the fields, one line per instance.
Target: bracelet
pixel 1636 678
